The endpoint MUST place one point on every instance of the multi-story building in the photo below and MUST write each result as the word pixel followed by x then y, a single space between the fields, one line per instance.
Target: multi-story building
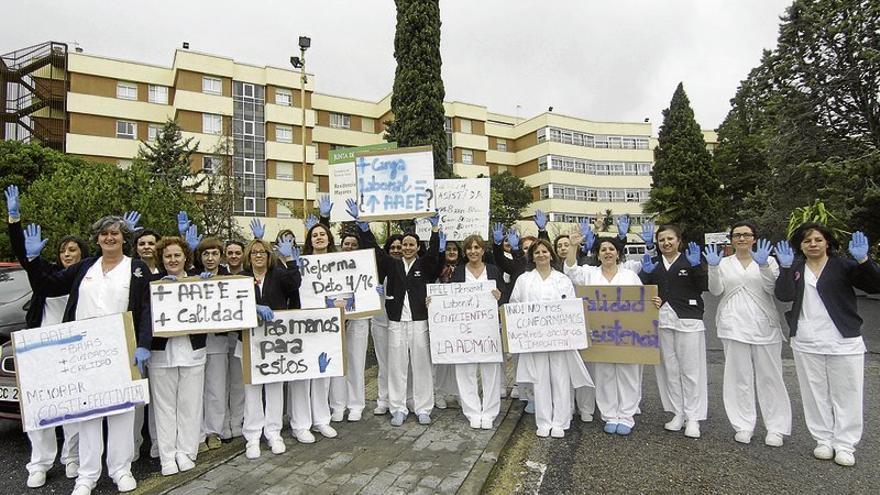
pixel 576 168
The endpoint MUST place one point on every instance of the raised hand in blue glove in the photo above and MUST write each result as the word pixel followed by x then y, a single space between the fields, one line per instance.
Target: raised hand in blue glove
pixel 693 254
pixel 257 228
pixel 784 254
pixel 442 237
pixel 141 356
pixel 540 219
pixel 589 236
pixel 323 362
pixel 265 312
pixel 295 253
pixel 33 240
pixel 513 239
pixel 310 222
pixel 498 233
pixel 193 238
pixel 131 220
pixel 182 222
pixel 434 219
pixel 325 205
pixel 859 246
pixel 13 204
pixel 351 207
pixel 622 226
pixel 206 275
pixel 712 254
pixel 648 233
pixel 285 247
pixel 762 253
pixel 648 264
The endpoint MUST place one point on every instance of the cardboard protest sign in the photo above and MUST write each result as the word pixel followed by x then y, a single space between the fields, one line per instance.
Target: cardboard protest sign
pixel 464 329
pixel 544 326
pixel 196 305
pixel 463 205
pixel 296 345
pixel 76 371
pixel 394 185
pixel 460 288
pixel 343 179
pixel 349 277
pixel 622 322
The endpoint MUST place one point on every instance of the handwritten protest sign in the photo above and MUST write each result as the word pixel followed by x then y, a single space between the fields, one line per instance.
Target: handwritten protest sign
pixel 76 371
pixel 460 288
pixel 349 277
pixel 295 345
pixel 463 205
pixel 623 324
pixel 195 305
pixel 544 326
pixel 464 329
pixel 343 179
pixel 397 184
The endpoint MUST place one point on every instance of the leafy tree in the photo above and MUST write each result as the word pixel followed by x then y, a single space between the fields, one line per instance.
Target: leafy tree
pixel 685 188
pixel 607 221
pixel 417 99
pixel 217 195
pixel 509 196
pixel 168 158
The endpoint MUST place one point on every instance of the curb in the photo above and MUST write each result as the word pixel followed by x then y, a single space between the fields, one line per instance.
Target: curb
pixel 157 484
pixel 482 469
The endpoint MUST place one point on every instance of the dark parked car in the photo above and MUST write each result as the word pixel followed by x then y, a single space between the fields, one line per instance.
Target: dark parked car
pixel 15 295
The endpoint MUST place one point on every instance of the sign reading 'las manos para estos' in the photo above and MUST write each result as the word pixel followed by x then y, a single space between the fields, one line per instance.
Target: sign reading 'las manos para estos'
pixel 195 305
pixel 396 184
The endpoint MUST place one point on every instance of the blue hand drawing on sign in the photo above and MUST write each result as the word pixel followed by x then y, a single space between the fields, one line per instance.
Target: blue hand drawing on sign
pixel 323 362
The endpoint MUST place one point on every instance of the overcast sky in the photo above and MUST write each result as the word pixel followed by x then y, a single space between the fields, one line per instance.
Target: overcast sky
pixel 615 60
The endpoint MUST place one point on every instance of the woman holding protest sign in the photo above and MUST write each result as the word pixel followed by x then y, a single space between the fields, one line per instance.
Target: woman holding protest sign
pixel 826 337
pixel 748 325
pixel 681 374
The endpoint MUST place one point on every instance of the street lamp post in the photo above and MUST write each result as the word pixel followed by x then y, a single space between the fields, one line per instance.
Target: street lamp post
pixel 300 63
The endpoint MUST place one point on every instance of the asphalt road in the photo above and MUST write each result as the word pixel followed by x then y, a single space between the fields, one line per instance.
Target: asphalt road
pixel 652 460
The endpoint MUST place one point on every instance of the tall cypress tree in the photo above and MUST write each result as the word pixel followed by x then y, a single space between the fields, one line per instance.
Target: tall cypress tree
pixel 685 188
pixel 417 101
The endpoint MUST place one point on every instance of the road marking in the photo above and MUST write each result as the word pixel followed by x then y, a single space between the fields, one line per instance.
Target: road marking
pixel 540 468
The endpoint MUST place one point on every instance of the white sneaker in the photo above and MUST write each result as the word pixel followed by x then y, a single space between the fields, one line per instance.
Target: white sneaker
pixel 36 479
pixel 71 470
pixel 514 392
pixel 692 429
pixel 530 408
pixel 475 424
pixel 304 436
pixel 823 452
pixel 543 432
pixel 845 458
pixel 773 439
pixel 252 451
pixel 154 451
pixel 556 432
pixel 486 423
pixel 184 462
pixel 337 416
pixel 440 403
pixel 81 490
pixel 503 392
pixel 675 424
pixel 354 416
pixel 380 410
pixel 745 436
pixel 424 419
pixel 325 430
pixel 277 446
pixel 126 483
pixel 586 418
pixel 170 469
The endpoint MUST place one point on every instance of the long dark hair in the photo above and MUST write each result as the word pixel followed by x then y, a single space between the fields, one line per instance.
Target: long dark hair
pixel 83 247
pixel 797 237
pixel 331 242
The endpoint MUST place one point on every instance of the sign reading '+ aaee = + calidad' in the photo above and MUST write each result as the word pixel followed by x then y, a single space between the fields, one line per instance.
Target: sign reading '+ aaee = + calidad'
pixel 195 305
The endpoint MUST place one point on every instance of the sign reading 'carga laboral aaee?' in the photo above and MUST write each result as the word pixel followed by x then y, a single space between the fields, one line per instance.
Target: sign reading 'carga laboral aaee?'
pixel 545 326
pixel 395 185
pixel 295 345
pixel 463 323
pixel 623 324
pixel 344 279
pixel 76 371
pixel 195 305
pixel 343 179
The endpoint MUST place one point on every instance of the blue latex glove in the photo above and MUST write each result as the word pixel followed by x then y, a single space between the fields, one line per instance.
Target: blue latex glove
pixel 172 278
pixel 784 254
pixel 442 236
pixel 713 256
pixel 33 240
pixel 762 253
pixel 141 356
pixel 182 222
pixel 294 255
pixel 648 233
pixel 310 222
pixel 323 362
pixel 193 238
pixel 131 219
pixel 622 226
pixel 351 207
pixel 540 219
pixel 498 233
pixel 285 247
pixel 589 236
pixel 693 254
pixel 434 219
pixel 265 312
pixel 13 205
pixel 325 205
pixel 513 239
pixel 257 228
pixel 859 246
pixel 206 275
pixel 380 289
pixel 648 264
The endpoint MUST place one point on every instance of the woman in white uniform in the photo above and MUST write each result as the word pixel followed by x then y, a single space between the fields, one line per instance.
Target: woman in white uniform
pixel 748 325
pixel 379 333
pixel 235 384
pixel 552 374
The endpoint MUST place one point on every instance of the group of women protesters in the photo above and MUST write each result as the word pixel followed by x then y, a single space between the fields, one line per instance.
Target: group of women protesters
pixel 199 398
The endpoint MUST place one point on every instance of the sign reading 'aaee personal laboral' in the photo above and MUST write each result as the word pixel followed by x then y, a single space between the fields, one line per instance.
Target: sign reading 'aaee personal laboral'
pixel 463 206
pixel 296 345
pixel 544 326
pixel 343 179
pixel 464 329
pixel 196 305
pixel 394 185
pixel 346 279
pixel 622 322
pixel 76 371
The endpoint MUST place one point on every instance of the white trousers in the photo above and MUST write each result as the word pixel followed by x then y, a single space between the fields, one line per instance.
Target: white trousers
pixel 120 447
pixel 177 401
pixel 235 407
pixel 216 395
pixel 348 391
pixel 618 391
pixel 44 447
pixel 751 369
pixel 831 390
pixel 681 374
pixel 408 343
pixel 445 381
pixel 585 397
pixel 379 331
pixel 139 414
pixel 260 418
pixel 319 398
pixel 552 389
pixel 468 396
pixel 299 404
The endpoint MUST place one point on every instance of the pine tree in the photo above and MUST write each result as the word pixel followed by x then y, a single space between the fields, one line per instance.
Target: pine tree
pixel 685 188
pixel 417 100
pixel 168 158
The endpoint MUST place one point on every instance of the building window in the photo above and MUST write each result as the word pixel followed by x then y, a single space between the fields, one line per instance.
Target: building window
pixel 284 170
pixel 465 126
pixel 283 97
pixel 467 157
pixel 501 145
pixel 368 125
pixel 158 94
pixel 250 166
pixel 126 130
pixel 212 123
pixel 282 211
pixel 153 131
pixel 340 120
pixel 284 134
pixel 250 204
pixel 126 90
pixel 248 128
pixel 213 85
pixel 247 90
pixel 211 164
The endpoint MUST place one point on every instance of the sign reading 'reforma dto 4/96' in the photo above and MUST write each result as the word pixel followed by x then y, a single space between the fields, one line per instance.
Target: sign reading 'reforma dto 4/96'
pixel 195 305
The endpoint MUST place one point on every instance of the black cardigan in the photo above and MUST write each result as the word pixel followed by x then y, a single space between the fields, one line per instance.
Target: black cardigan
pixel 679 286
pixel 835 287
pixel 492 273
